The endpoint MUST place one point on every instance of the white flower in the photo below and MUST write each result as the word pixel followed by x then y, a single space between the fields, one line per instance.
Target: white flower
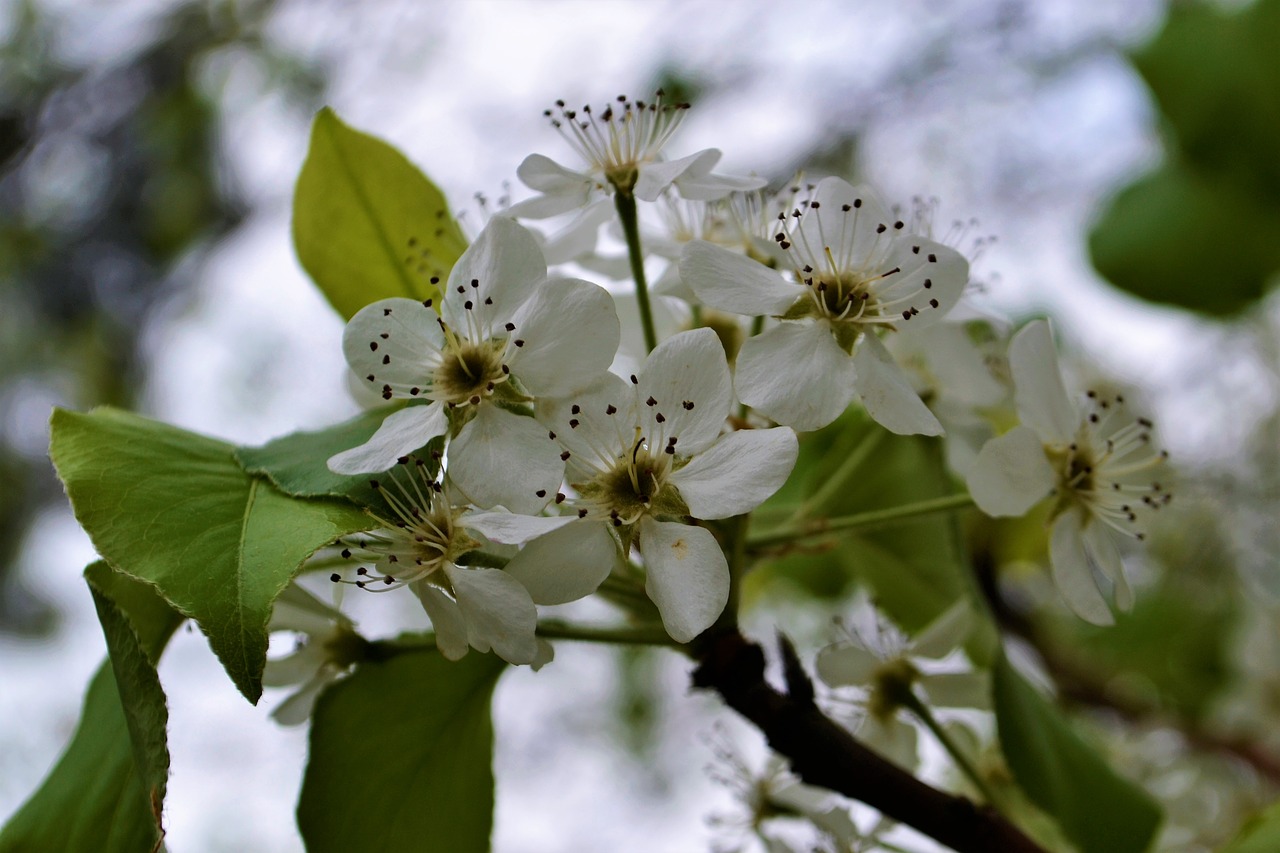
pixel 856 273
pixel 883 663
pixel 1098 464
pixel 622 148
pixel 481 608
pixel 504 332
pixel 646 455
pixel 330 648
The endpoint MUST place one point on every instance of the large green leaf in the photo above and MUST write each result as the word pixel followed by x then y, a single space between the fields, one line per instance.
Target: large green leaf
pixel 1259 835
pixel 176 510
pixel 401 756
pixel 1178 237
pixel 366 223
pixel 1097 809
pixel 106 793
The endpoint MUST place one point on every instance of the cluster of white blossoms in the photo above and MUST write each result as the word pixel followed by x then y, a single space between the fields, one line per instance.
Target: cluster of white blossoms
pixel 518 471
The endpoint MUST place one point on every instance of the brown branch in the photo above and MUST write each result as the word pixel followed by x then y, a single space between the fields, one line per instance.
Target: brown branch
pixel 823 753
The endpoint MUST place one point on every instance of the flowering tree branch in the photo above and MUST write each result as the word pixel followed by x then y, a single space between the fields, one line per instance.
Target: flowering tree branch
pixel 823 753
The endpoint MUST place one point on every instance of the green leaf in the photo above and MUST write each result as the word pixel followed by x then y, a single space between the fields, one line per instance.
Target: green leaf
pixel 1183 239
pixel 1259 835
pixel 1097 809
pixel 107 790
pixel 415 774
pixel 176 510
pixel 298 463
pixel 366 223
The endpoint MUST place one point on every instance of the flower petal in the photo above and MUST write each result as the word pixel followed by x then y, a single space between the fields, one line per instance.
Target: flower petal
pixel 688 378
pixel 1042 398
pixel 928 273
pixel 893 739
pixel 733 282
pixel 566 564
pixel 1101 545
pixel 561 189
pixel 698 184
pixel 688 576
pixel 446 620
pixel 958 689
pixel 570 331
pixel 500 458
pixel 583 427
pixel 394 345
pixel 944 634
pixel 656 177
pixel 296 709
pixel 741 471
pixel 495 275
pixel 847 665
pixel 796 374
pixel 1011 474
pixel 401 433
pixel 847 220
pixel 887 394
pixel 1071 572
pixel 498 612
pixel 508 528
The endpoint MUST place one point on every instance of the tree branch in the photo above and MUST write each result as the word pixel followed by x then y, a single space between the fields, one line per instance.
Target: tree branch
pixel 823 753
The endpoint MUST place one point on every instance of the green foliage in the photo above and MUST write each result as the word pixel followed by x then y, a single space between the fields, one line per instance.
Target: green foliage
pixel 1203 231
pixel 914 568
pixel 366 223
pixel 174 509
pixel 401 756
pixel 107 791
pixel 1097 809
pixel 1259 835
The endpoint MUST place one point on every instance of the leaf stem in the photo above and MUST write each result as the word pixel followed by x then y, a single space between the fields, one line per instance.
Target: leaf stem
pixel 839 478
pixel 626 204
pixel 861 520
pixel 922 713
pixel 639 635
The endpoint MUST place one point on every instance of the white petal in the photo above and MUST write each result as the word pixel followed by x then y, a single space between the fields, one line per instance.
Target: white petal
pixel 541 173
pixel 688 576
pixel 296 710
pixel 503 459
pixel 733 282
pixel 656 177
pixel 570 331
pixel 796 374
pixel 511 529
pixel 1011 474
pixel 566 564
pixel 887 394
pixel 1071 572
pixel 446 620
pixel 506 262
pixel 295 668
pixel 498 611
pixel 697 183
pixel 944 634
pixel 928 272
pixel 847 665
pixel 295 609
pixel 688 378
pixel 1042 398
pixel 579 236
pixel 583 427
pixel 852 234
pixel 741 471
pixel 1101 545
pixel 406 357
pixel 958 689
pixel 546 654
pixel 401 433
pixel 893 739
pixel 958 364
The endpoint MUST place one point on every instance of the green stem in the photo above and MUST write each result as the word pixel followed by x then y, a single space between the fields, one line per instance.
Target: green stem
pixel 861 520
pixel 757 326
pixel 640 635
pixel 838 480
pixel 626 204
pixel 924 715
pixel 695 316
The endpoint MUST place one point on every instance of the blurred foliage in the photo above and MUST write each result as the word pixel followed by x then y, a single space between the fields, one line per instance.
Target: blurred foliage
pixel 1203 230
pixel 110 178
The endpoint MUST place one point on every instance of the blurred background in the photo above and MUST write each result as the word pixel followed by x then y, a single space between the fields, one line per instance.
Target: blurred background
pixel 1121 154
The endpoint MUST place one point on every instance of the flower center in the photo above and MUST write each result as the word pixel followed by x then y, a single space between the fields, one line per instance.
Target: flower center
pixel 469 371
pixel 634 485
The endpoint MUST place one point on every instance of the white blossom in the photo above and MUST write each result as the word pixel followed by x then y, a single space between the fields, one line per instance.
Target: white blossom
pixel 622 149
pixel 646 456
pixel 1097 462
pixel 505 334
pixel 855 273
pixel 330 648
